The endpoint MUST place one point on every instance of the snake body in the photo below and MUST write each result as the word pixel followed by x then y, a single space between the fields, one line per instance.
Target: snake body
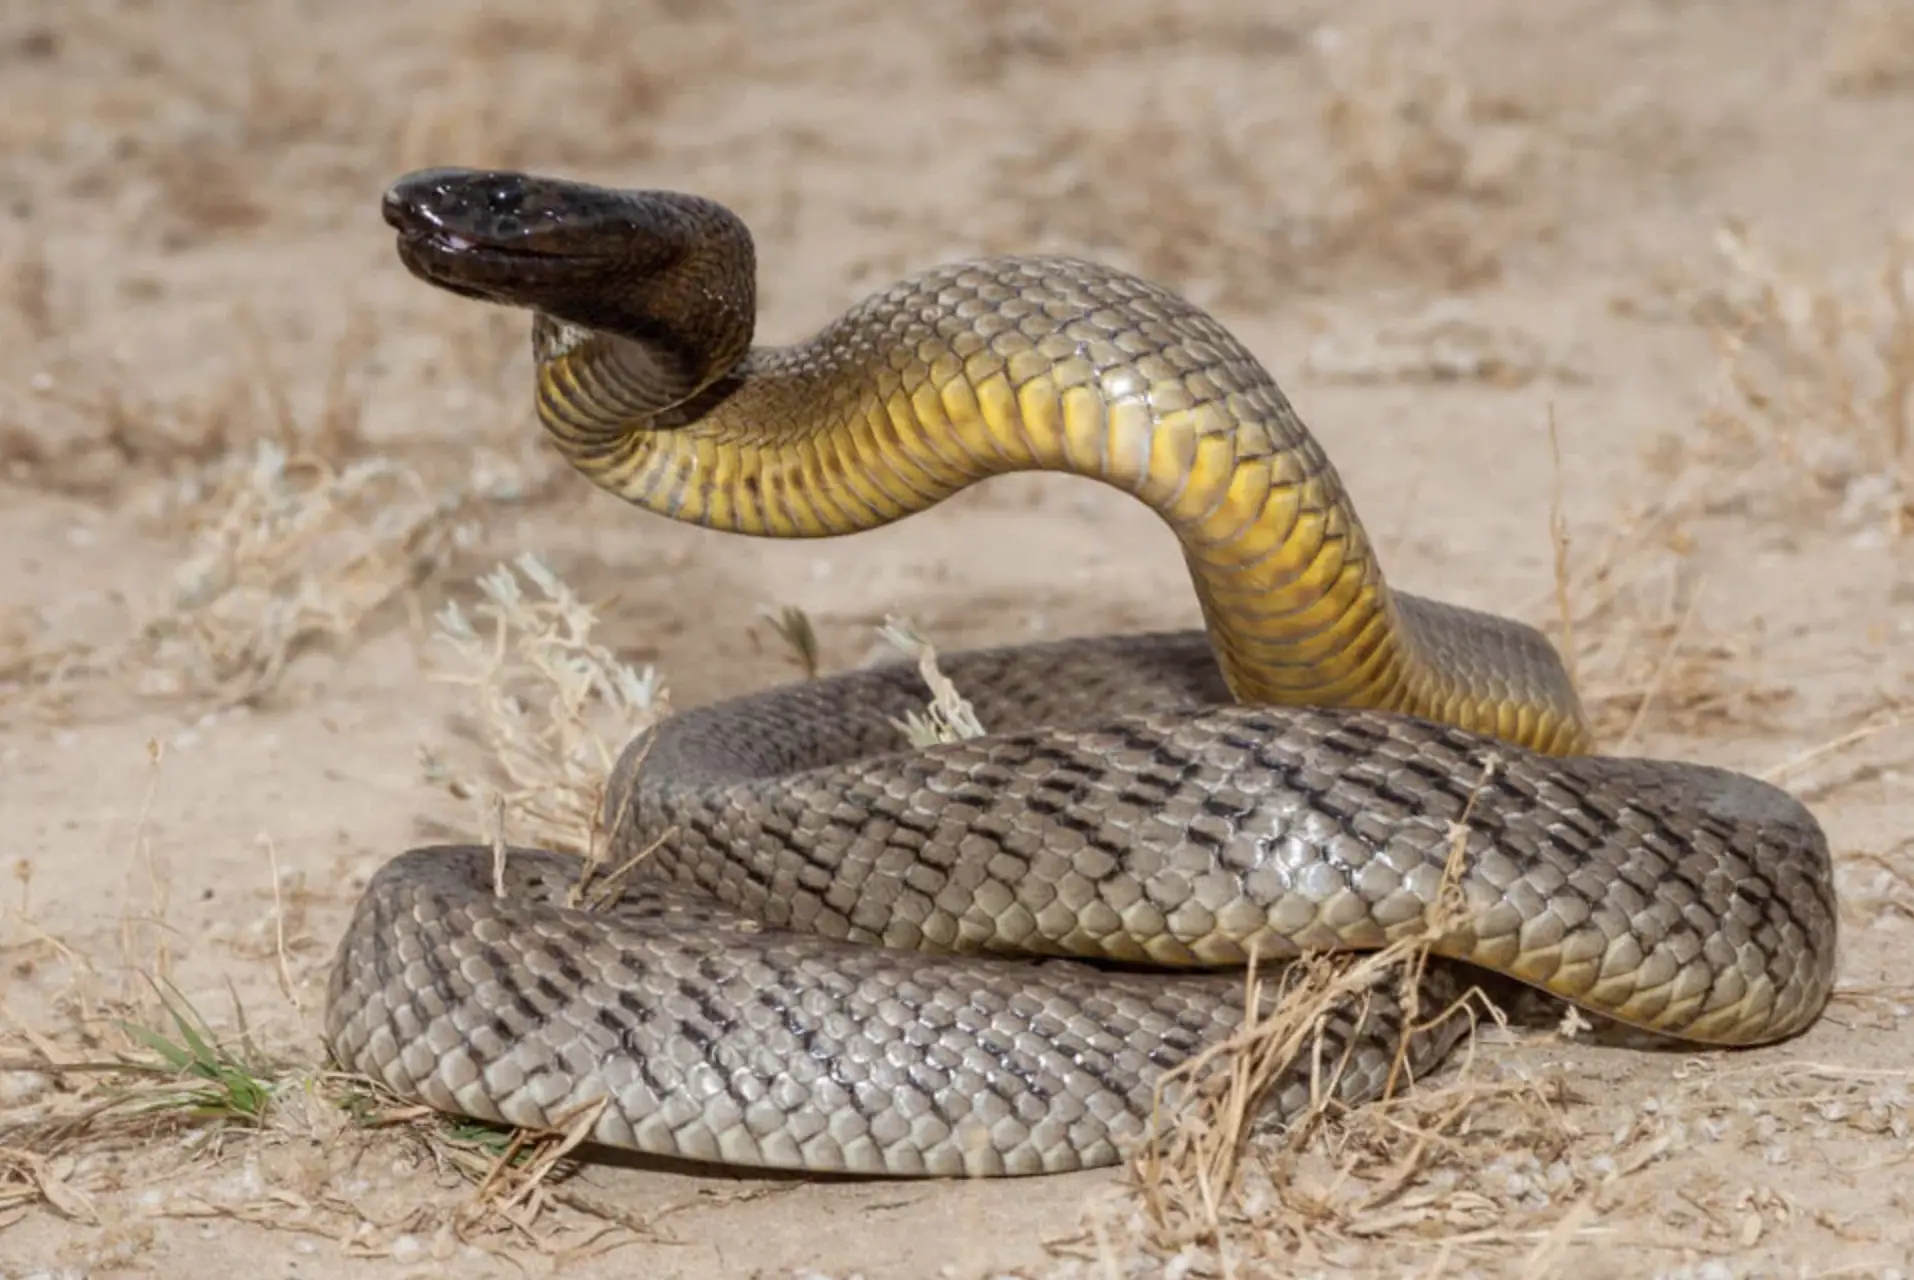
pixel 983 957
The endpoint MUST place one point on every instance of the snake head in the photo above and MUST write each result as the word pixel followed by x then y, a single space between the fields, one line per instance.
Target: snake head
pixel 668 270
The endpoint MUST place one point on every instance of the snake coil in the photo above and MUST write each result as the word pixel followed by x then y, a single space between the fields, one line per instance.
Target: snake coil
pixel 981 958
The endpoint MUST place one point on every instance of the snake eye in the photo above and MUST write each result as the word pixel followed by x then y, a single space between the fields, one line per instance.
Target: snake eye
pixel 503 199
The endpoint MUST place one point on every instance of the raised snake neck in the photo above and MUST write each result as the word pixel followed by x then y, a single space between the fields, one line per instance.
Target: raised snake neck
pixel 794 979
pixel 649 383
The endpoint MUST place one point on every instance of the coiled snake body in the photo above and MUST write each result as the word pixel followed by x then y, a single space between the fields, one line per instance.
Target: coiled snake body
pixel 844 954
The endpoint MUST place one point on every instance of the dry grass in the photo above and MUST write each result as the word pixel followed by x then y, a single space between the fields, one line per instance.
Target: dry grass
pixel 949 716
pixel 1812 419
pixel 1645 661
pixel 1208 1107
pixel 1414 182
pixel 1870 49
pixel 296 533
pixel 287 555
pixel 1478 1169
pixel 795 629
pixel 1504 1176
pixel 554 707
pixel 279 1143
pixel 1814 410
pixel 120 1076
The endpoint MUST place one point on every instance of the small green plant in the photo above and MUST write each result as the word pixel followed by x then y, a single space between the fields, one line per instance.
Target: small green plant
pixel 201 1077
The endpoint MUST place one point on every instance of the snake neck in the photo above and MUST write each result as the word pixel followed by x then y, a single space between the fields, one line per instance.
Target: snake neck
pixel 1042 365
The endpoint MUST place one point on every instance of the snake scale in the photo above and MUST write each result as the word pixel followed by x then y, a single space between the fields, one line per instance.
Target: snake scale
pixel 981 958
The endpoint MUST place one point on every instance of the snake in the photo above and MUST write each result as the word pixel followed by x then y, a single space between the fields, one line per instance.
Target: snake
pixel 1003 954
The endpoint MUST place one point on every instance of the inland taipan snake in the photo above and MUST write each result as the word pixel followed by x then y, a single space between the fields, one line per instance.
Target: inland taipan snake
pixel 847 954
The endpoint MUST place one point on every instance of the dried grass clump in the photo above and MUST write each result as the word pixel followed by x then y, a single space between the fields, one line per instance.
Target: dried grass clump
pixel 948 717
pixel 1000 36
pixel 292 554
pixel 1870 48
pixel 285 554
pixel 1223 192
pixel 1811 421
pixel 293 530
pixel 115 1072
pixel 1643 657
pixel 1503 1177
pixel 1418 142
pixel 1476 1166
pixel 1625 616
pixel 1815 407
pixel 1471 1173
pixel 114 442
pixel 554 706
pixel 1210 1103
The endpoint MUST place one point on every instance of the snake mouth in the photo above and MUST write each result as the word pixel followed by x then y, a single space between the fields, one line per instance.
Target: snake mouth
pixel 467 267
pixel 485 269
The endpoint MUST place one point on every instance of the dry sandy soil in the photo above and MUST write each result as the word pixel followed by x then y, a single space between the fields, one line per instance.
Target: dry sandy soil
pixel 245 462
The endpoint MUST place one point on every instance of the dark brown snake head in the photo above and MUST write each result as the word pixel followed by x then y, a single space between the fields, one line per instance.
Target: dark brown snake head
pixel 675 273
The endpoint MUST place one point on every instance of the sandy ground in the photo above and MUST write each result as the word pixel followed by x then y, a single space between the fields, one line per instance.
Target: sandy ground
pixel 245 459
